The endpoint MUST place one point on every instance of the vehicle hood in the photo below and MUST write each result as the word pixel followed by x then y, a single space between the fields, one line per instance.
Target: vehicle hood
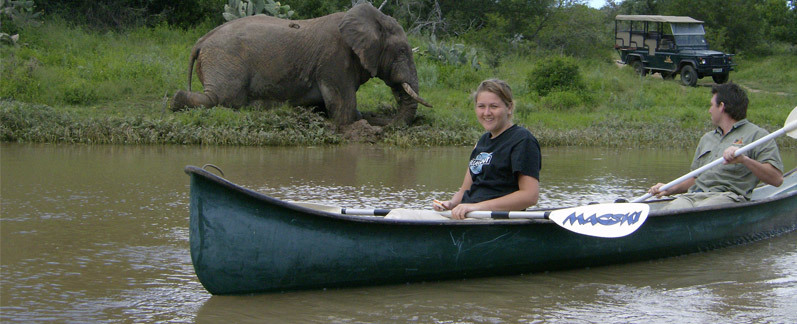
pixel 701 52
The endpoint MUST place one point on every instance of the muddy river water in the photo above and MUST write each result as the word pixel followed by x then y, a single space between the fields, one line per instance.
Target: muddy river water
pixel 98 234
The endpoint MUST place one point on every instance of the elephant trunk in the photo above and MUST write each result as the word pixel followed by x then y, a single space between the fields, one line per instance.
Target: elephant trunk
pixel 407 100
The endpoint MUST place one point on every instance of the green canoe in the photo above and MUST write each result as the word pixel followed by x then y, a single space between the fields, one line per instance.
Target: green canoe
pixel 246 242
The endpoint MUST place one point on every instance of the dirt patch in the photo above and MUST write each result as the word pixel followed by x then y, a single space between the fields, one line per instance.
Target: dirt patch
pixel 706 83
pixel 779 93
pixel 361 131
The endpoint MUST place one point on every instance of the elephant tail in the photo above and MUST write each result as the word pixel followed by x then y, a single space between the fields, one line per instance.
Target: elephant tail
pixel 194 55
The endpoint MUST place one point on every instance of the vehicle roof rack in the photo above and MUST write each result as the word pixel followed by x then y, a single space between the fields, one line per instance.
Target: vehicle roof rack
pixel 667 19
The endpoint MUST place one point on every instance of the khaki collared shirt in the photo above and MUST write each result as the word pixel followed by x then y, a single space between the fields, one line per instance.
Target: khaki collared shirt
pixel 732 177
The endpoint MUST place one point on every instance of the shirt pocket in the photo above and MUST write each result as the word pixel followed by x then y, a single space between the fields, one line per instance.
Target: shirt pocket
pixel 702 159
pixel 734 171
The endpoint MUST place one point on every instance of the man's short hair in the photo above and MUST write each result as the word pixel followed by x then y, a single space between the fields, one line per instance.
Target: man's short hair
pixel 734 97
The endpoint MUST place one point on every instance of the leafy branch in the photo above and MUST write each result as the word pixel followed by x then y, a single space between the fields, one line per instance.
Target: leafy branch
pixel 235 9
pixel 22 14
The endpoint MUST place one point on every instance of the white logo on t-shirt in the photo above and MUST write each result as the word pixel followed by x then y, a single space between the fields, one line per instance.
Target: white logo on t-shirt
pixel 482 159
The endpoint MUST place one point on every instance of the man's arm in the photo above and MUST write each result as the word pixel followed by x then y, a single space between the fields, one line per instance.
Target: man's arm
pixel 676 189
pixel 765 172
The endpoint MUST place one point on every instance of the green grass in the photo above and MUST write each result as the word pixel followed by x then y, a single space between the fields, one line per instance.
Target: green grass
pixel 772 74
pixel 69 84
pixel 217 126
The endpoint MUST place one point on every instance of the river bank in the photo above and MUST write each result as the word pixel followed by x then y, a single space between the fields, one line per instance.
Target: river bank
pixel 286 126
pixel 52 91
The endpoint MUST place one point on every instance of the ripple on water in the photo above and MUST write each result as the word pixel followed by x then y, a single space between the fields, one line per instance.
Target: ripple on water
pixel 372 196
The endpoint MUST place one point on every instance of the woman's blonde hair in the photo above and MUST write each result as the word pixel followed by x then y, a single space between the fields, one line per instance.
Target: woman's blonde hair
pixel 499 87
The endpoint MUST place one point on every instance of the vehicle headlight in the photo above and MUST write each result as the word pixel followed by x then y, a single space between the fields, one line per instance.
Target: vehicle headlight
pixel 702 60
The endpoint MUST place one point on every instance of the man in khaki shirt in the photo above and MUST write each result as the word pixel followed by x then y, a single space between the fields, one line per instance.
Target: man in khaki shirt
pixel 734 180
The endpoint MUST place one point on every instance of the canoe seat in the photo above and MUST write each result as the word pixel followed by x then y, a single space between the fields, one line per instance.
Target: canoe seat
pixel 415 214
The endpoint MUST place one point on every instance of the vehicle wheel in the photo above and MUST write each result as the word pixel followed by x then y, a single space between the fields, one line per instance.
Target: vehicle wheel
pixel 667 75
pixel 720 78
pixel 688 76
pixel 639 68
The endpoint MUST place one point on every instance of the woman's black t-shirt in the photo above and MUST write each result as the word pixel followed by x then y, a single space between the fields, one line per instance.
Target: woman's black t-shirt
pixel 495 162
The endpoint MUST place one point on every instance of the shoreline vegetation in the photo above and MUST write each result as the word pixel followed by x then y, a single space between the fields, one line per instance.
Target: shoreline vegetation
pixel 66 84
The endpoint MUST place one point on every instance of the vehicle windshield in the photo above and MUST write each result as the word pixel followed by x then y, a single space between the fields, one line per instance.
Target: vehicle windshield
pixel 689 35
pixel 690 40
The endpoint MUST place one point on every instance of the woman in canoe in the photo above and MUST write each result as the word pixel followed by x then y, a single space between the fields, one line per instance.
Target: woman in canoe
pixel 504 169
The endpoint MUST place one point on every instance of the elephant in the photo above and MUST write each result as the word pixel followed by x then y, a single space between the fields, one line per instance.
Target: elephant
pixel 318 62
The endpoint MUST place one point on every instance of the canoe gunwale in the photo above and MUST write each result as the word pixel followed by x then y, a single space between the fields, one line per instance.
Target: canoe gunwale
pixel 376 219
pixel 365 219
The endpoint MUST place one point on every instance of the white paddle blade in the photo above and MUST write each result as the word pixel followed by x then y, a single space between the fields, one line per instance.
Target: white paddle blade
pixel 791 122
pixel 602 220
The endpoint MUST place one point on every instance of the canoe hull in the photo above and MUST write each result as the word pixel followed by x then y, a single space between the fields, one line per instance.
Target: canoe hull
pixel 246 242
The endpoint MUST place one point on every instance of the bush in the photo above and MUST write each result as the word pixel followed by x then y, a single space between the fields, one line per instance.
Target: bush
pixel 79 93
pixel 566 100
pixel 14 16
pixel 128 14
pixel 456 54
pixel 452 76
pixel 555 73
pixel 235 9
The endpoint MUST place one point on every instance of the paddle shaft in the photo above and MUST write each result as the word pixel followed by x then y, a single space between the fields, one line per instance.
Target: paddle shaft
pixel 789 127
pixel 473 214
pixel 599 220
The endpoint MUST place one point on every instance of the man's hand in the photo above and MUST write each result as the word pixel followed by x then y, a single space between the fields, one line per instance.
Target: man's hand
pixel 676 189
pixel 764 171
pixel 656 190
pixel 729 157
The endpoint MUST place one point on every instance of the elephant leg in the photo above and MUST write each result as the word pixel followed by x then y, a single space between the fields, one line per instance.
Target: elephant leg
pixel 185 99
pixel 341 104
pixel 224 83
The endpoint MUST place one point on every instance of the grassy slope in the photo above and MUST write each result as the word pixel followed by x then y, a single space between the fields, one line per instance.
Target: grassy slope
pixel 73 85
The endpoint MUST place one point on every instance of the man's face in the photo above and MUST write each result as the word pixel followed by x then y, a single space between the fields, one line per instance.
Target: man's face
pixel 715 110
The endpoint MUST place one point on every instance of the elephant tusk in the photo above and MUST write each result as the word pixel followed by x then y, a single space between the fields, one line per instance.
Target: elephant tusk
pixel 414 95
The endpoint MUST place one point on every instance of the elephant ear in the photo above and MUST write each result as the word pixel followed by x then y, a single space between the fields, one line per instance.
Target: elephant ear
pixel 361 30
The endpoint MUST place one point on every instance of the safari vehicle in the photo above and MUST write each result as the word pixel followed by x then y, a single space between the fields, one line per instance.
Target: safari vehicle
pixel 669 45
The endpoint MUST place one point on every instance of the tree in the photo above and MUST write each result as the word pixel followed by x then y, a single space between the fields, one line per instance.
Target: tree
pixel 731 25
pixel 306 9
pixel 640 7
pixel 779 20
pixel 590 36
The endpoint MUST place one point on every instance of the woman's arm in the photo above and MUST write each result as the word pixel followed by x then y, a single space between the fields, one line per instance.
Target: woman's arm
pixel 457 198
pixel 526 196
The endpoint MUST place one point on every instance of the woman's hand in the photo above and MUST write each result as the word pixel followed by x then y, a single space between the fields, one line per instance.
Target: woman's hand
pixel 441 205
pixel 458 211
pixel 461 210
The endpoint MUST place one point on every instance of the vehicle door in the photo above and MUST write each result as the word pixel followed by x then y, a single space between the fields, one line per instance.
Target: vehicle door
pixel 665 52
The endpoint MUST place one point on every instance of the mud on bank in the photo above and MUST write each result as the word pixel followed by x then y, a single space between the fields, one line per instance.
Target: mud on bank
pixel 22 122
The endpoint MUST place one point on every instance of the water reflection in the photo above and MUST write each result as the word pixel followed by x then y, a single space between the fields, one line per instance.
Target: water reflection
pixel 99 234
pixel 721 286
pixel 370 177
